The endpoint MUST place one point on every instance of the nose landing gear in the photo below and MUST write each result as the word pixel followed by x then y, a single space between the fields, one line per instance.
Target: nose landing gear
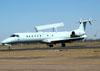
pixel 9 48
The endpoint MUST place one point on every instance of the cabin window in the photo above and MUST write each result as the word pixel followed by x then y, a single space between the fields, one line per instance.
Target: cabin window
pixel 47 35
pixel 26 35
pixel 32 35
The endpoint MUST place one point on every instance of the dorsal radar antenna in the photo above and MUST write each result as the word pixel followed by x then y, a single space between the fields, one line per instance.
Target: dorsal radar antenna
pixel 49 26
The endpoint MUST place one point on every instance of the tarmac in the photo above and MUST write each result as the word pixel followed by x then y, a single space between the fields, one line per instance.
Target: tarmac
pixel 51 48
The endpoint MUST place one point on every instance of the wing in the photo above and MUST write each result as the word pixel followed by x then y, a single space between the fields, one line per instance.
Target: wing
pixel 59 40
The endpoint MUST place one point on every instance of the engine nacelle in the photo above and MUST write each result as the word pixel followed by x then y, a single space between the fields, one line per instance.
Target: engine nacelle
pixel 73 34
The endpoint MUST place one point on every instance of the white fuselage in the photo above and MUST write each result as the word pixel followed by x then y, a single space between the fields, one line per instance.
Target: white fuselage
pixel 37 37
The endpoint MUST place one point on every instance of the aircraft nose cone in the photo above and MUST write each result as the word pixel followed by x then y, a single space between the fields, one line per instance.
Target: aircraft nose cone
pixel 6 41
pixel 3 42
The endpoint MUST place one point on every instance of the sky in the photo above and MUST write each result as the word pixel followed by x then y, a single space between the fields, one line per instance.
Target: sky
pixel 22 15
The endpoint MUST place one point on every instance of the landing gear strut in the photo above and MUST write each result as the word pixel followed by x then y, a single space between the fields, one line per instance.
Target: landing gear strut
pixel 9 47
pixel 63 44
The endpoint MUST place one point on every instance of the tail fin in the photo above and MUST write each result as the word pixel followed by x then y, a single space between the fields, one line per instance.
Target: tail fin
pixel 83 23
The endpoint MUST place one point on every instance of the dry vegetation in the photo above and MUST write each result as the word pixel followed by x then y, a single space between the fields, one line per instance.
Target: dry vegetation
pixel 47 53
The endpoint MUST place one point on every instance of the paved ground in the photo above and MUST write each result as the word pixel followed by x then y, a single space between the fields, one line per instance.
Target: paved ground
pixel 57 48
pixel 51 63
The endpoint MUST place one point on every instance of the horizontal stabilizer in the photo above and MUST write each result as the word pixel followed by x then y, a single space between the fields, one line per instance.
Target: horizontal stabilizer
pixel 53 26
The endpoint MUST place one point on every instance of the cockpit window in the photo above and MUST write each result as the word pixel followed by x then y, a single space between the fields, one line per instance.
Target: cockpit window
pixel 17 35
pixel 14 35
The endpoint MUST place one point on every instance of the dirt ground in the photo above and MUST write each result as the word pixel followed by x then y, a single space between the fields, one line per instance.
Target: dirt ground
pixel 26 58
pixel 51 60
pixel 49 64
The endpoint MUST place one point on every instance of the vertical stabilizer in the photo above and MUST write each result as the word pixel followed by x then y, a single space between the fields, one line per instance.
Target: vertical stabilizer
pixel 83 23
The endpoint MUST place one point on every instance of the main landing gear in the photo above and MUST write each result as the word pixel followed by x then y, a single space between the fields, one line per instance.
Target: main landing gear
pixel 50 45
pixel 63 44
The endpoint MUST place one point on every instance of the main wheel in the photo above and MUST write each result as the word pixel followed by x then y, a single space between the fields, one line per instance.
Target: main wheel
pixel 50 45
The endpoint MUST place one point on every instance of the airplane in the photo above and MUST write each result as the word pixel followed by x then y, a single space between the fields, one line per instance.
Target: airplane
pixel 49 38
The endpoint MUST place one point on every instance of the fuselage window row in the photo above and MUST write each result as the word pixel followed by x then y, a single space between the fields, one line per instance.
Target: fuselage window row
pixel 37 35
pixel 33 35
